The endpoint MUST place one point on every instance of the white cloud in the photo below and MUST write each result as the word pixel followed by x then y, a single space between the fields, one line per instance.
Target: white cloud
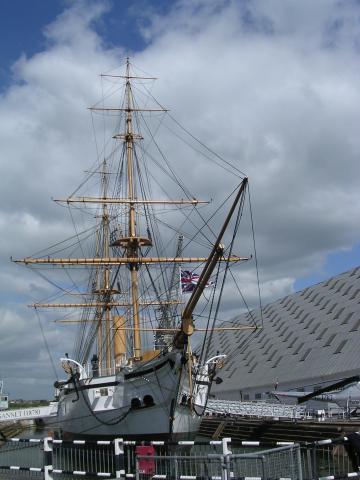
pixel 272 87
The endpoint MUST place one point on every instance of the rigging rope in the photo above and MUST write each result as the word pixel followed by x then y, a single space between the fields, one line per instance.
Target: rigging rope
pixel 46 344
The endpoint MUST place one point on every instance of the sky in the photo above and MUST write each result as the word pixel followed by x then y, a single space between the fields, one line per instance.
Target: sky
pixel 275 89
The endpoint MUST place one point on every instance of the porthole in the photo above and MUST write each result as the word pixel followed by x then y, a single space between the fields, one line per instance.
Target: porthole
pixel 148 401
pixel 135 403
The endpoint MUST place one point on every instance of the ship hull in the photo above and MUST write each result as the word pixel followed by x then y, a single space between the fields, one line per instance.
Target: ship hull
pixel 147 402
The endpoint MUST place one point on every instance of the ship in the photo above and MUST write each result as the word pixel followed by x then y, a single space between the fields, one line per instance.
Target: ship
pixel 4 397
pixel 134 373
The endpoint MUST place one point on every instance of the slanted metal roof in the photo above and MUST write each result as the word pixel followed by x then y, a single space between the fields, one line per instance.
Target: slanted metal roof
pixel 310 335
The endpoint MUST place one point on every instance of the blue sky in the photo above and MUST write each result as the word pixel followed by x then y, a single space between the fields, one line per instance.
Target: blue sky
pixel 22 23
pixel 280 98
pixel 335 263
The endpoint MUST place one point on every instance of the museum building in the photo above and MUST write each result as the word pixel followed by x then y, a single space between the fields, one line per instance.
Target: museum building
pixel 308 339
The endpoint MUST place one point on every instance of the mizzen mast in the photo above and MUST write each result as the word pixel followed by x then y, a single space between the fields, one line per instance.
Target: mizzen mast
pixel 105 289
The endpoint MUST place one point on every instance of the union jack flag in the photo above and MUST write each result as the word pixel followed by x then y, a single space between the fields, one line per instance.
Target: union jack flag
pixel 189 281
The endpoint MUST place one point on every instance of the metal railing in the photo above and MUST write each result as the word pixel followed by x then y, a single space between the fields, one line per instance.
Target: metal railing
pixel 215 460
pixel 254 409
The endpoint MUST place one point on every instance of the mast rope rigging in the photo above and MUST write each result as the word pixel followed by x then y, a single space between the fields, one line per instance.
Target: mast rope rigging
pixel 247 340
pixel 256 258
pixel 175 178
pixel 197 140
pixel 201 358
pixel 243 298
pixel 236 227
pixel 48 249
pixel 46 344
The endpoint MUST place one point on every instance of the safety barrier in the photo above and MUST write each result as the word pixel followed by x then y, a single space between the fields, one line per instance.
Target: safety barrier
pixel 215 460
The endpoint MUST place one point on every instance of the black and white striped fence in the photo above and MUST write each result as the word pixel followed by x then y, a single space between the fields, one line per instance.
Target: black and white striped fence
pixel 48 459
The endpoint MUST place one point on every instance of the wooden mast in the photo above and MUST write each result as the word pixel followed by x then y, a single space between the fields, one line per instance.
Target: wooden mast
pixel 132 247
pixel 119 339
pixel 103 308
pixel 106 286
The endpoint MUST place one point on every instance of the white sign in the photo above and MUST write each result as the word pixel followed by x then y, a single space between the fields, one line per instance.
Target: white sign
pixel 25 413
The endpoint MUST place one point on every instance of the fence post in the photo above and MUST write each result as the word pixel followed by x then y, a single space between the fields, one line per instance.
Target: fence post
pixel 299 462
pixel 225 471
pixel 309 471
pixel 176 472
pixel 314 462
pixel 119 458
pixel 137 474
pixel 48 458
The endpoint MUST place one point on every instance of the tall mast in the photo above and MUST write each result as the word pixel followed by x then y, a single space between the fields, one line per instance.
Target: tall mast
pixel 107 292
pixel 103 288
pixel 133 245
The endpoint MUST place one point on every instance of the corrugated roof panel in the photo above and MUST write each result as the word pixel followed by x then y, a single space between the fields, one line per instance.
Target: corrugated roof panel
pixel 332 318
pixel 322 333
pixel 277 361
pixel 340 346
pixel 287 337
pixel 346 318
pixel 329 340
pixel 355 271
pixel 315 328
pixel 355 294
pixel 298 348
pixel 326 303
pixel 347 290
pixel 306 354
pixel 309 323
pixel 252 368
pixel 356 326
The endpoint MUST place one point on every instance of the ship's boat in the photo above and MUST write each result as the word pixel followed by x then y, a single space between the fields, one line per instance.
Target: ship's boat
pixel 134 289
